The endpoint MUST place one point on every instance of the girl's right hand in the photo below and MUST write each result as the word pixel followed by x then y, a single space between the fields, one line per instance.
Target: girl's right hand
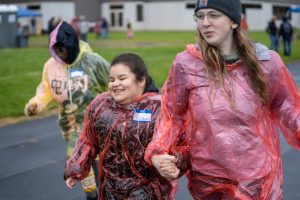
pixel 70 182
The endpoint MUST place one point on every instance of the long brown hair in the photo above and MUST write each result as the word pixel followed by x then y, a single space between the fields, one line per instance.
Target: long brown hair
pixel 216 66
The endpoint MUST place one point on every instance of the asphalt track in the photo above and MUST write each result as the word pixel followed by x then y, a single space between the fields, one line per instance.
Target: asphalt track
pixel 32 156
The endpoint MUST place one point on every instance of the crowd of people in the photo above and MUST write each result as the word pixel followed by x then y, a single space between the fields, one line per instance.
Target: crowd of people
pixel 217 119
pixel 82 26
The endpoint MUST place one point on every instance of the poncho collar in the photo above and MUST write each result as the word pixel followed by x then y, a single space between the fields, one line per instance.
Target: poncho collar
pixel 262 53
pixel 134 104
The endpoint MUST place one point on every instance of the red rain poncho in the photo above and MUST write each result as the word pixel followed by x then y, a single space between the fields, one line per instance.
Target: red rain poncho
pixel 234 150
pixel 120 142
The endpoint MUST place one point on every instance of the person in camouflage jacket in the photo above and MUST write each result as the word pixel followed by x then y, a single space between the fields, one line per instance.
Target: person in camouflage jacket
pixel 71 77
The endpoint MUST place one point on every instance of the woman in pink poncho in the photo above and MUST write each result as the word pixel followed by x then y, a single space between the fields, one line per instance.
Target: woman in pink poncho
pixel 236 95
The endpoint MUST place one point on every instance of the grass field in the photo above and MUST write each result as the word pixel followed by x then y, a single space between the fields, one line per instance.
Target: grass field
pixel 20 69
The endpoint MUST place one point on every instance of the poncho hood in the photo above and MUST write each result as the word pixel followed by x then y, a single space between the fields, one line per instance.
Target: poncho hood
pixel 67 37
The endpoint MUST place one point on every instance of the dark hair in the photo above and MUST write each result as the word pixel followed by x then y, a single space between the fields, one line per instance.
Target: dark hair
pixel 137 66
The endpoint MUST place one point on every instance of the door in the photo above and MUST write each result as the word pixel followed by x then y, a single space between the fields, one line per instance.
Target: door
pixel 116 17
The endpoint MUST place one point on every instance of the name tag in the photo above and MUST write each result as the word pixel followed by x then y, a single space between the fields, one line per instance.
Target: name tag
pixel 76 73
pixel 142 115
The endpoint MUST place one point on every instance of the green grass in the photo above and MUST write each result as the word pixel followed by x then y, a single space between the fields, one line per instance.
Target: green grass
pixel 21 69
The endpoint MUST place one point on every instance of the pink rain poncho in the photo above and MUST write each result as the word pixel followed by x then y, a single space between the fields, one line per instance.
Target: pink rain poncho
pixel 234 150
pixel 112 132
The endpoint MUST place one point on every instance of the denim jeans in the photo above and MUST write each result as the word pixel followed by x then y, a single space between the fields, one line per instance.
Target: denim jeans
pixel 274 42
pixel 104 32
pixel 287 46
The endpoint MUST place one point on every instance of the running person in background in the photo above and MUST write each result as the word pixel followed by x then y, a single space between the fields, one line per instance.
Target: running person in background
pixel 71 77
pixel 238 94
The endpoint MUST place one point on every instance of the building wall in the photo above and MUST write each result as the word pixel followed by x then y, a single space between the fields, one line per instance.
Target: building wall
pixel 130 14
pixel 89 8
pixel 157 14
pixel 258 18
pixel 169 16
pixel 63 10
pixel 174 15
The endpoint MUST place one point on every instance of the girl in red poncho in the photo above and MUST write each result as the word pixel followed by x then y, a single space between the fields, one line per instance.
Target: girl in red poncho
pixel 118 127
pixel 238 95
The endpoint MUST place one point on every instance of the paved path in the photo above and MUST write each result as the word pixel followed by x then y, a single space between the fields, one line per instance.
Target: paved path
pixel 32 157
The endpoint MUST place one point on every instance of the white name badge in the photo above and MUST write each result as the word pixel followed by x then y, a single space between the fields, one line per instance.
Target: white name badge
pixel 142 115
pixel 76 73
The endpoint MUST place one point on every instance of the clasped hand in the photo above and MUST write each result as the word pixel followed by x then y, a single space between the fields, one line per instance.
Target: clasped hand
pixel 166 166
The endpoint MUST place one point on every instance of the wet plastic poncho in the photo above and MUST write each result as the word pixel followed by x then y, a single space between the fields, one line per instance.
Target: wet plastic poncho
pixel 234 150
pixel 72 85
pixel 119 137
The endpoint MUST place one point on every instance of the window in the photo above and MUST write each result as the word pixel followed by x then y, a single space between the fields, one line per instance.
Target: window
pixel 34 7
pixel 190 6
pixel 12 18
pixel 139 13
pixel 116 7
pixel 112 19
pixel 281 11
pixel 120 19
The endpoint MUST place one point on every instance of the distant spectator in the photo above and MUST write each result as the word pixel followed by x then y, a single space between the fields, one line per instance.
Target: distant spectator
pixel 244 23
pixel 25 32
pixel 84 28
pixel 19 29
pixel 272 30
pixel 97 28
pixel 286 31
pixel 22 35
pixel 33 26
pixel 51 25
pixel 129 30
pixel 104 28
pixel 75 25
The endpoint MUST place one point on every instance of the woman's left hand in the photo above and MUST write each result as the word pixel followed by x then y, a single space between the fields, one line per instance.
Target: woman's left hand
pixel 166 166
pixel 170 170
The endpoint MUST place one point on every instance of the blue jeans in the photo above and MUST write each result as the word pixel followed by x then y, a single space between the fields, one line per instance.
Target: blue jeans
pixel 287 46
pixel 104 32
pixel 274 42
